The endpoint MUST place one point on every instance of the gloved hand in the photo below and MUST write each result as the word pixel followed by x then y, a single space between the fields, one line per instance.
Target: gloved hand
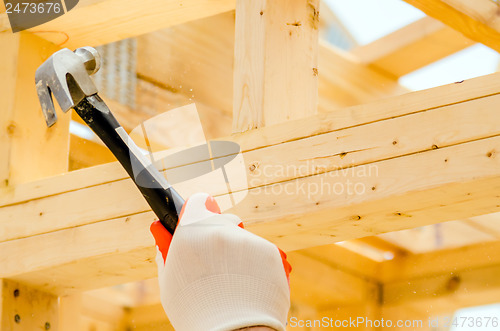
pixel 214 275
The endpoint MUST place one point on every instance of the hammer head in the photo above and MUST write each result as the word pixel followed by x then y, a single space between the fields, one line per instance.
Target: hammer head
pixel 66 76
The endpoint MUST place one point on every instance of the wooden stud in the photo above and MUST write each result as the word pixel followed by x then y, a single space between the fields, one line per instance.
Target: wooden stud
pixel 275 67
pixel 24 308
pixel 29 149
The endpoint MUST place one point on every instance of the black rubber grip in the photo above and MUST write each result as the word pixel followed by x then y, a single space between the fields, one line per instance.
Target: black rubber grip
pixel 165 202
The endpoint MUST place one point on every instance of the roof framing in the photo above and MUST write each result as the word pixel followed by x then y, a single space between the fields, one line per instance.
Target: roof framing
pixel 433 173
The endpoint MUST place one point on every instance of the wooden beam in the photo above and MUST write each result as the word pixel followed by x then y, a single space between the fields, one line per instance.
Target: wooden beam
pixel 23 308
pixel 86 153
pixel 477 21
pixel 70 310
pixel 446 292
pixel 344 81
pixel 29 150
pixel 319 285
pixel 450 172
pixel 147 317
pixel 97 22
pixel 384 144
pixel 194 60
pixel 430 238
pixel 445 261
pixel 153 100
pixel 341 258
pixel 275 66
pixel 443 280
pixel 185 57
pixel 412 47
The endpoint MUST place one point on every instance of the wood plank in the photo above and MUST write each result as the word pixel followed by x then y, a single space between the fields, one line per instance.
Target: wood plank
pixel 444 280
pixel 478 22
pixel 85 153
pixel 319 285
pixel 70 310
pixel 147 317
pixel 112 173
pixel 447 292
pixel 437 237
pixel 341 258
pixel 334 155
pixel 275 62
pixel 23 308
pixel 94 23
pixel 345 81
pixel 185 57
pixel 29 150
pixel 440 262
pixel 194 60
pixel 456 180
pixel 412 47
pixel 487 223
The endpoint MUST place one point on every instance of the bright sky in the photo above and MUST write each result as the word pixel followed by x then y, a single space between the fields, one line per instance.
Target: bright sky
pixel 382 17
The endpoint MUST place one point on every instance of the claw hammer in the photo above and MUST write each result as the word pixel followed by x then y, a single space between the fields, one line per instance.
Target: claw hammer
pixel 66 76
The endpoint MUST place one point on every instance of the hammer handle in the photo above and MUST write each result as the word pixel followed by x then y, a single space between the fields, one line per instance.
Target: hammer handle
pixel 165 202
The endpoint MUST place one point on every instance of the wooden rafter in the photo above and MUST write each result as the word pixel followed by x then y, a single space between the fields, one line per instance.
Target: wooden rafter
pixel 113 20
pixel 412 47
pixel 477 20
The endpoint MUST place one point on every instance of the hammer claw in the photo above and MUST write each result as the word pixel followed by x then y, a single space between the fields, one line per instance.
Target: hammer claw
pixel 65 76
pixel 47 103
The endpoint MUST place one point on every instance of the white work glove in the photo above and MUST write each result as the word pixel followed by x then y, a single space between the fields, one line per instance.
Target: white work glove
pixel 218 276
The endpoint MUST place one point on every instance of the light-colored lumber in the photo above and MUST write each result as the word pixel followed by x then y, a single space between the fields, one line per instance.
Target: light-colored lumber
pixel 146 317
pixel 432 174
pixel 437 237
pixel 346 317
pixel 442 281
pixel 29 149
pixel 275 62
pixel 341 258
pixel 84 153
pixel 412 47
pixel 70 312
pixel 196 59
pixel 486 223
pixel 359 146
pixel 345 81
pixel 94 23
pixel 23 308
pixel 440 262
pixel 319 285
pixel 447 292
pixel 477 20
pixel 199 122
